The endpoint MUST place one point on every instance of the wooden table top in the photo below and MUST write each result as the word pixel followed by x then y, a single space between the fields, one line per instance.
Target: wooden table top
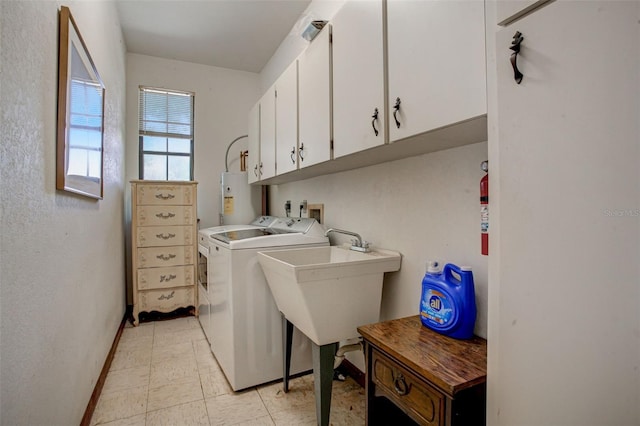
pixel 450 364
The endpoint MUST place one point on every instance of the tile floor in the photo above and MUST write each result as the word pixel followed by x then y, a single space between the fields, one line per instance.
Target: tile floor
pixel 163 373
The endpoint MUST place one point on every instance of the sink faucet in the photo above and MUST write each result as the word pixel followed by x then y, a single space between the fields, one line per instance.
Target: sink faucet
pixel 358 244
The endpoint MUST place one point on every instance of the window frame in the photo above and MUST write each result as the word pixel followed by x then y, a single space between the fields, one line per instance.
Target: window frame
pixel 167 154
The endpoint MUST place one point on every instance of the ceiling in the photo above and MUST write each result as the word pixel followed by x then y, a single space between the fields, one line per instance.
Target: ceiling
pixel 235 34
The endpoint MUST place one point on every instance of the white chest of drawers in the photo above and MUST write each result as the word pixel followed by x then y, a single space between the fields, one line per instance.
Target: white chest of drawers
pixel 164 246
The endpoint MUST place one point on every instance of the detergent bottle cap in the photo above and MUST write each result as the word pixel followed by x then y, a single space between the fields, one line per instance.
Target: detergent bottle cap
pixel 433 267
pixel 465 268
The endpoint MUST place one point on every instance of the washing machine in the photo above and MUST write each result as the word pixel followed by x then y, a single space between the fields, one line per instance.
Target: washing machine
pixel 246 326
pixel 204 305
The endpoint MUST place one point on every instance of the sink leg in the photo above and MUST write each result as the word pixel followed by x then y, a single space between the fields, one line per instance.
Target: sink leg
pixel 323 357
pixel 287 339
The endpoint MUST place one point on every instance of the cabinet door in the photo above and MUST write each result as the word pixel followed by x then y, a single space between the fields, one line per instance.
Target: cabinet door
pixel 268 134
pixel 436 63
pixel 315 101
pixel 287 120
pixel 568 156
pixel 253 144
pixel 358 77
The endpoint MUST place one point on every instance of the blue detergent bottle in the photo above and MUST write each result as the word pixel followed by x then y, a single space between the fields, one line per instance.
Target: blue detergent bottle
pixel 448 303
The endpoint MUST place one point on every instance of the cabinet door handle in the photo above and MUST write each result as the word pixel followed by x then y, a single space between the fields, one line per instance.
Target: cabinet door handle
pixel 293 153
pixel 396 108
pixel 255 170
pixel 301 152
pixel 373 122
pixel 515 46
pixel 261 168
pixel 400 385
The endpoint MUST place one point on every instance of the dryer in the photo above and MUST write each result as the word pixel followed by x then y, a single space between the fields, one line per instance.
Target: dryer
pixel 246 326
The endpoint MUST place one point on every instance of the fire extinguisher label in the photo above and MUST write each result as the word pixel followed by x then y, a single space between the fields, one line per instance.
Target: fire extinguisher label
pixel 484 218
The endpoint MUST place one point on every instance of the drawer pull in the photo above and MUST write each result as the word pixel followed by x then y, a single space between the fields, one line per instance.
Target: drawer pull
pixel 165 216
pixel 165 197
pixel 164 278
pixel 400 385
pixel 163 257
pixel 165 237
pixel 170 296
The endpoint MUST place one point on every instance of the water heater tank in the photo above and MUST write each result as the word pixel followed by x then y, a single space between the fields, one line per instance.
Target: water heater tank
pixel 241 202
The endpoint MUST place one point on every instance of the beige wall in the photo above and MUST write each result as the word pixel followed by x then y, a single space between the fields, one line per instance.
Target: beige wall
pixel 62 291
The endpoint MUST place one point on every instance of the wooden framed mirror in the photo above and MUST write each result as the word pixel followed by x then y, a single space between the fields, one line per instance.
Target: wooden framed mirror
pixel 80 133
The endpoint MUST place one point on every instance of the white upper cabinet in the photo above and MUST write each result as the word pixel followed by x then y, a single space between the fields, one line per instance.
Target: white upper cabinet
pixel 287 120
pixel 253 144
pixel 268 134
pixel 314 101
pixel 436 64
pixel 358 77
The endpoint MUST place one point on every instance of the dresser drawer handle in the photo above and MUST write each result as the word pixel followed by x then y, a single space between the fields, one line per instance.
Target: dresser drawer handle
pixel 400 385
pixel 164 278
pixel 165 197
pixel 165 216
pixel 163 257
pixel 165 237
pixel 170 296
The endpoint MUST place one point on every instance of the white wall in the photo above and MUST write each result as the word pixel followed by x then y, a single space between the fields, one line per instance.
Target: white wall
pixel 62 293
pixel 223 98
pixel 426 207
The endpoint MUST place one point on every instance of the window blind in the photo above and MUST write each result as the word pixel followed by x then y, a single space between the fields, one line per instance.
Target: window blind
pixel 166 113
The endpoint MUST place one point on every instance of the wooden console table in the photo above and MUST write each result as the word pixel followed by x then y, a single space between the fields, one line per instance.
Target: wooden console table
pixel 417 375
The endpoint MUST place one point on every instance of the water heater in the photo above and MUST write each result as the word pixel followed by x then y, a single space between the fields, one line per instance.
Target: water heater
pixel 241 202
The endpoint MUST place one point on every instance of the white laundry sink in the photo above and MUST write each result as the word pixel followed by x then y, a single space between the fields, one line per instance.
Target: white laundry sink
pixel 327 292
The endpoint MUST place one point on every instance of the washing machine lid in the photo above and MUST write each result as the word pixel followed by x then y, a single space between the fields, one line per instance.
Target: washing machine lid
pixel 260 222
pixel 243 234
pixel 283 232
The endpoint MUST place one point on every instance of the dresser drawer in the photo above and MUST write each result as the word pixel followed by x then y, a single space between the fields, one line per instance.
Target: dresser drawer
pixel 166 300
pixel 165 215
pixel 159 236
pixel 158 278
pixel 152 257
pixel 419 400
pixel 163 194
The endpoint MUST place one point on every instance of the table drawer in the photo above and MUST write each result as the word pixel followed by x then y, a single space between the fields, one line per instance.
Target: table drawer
pixel 160 236
pixel 165 194
pixel 152 257
pixel 166 300
pixel 158 278
pixel 419 400
pixel 165 215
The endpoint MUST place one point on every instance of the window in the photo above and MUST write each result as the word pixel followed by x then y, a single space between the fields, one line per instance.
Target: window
pixel 166 134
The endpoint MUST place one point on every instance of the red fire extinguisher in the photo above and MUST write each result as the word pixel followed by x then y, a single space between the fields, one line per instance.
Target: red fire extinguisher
pixel 484 209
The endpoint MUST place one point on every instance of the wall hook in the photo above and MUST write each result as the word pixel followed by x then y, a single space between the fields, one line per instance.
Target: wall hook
pixel 515 46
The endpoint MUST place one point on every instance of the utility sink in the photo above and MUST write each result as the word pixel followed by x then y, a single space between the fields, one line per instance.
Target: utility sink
pixel 327 292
